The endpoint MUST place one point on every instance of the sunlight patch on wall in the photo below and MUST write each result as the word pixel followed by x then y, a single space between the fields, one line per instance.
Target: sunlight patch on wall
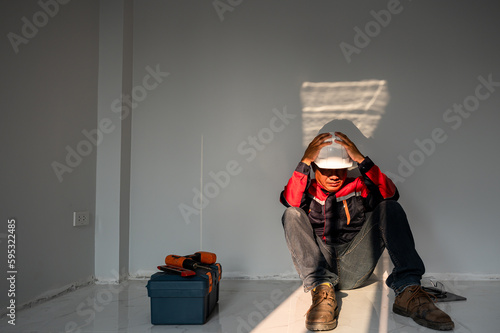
pixel 362 102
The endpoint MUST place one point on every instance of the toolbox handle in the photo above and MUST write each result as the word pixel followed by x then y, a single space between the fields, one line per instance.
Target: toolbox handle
pixel 209 277
pixel 219 267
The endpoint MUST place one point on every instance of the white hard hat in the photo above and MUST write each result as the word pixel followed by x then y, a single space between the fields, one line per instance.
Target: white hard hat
pixel 333 156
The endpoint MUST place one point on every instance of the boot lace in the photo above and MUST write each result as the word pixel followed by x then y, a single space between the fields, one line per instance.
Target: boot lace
pixel 419 292
pixel 318 298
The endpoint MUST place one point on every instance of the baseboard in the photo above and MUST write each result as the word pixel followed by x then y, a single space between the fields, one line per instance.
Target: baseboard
pixel 244 276
pixel 51 294
pixel 145 275
pixel 141 275
pixel 462 276
pixel 236 275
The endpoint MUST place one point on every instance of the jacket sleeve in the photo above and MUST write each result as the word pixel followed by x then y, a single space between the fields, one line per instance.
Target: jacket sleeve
pixel 294 194
pixel 378 187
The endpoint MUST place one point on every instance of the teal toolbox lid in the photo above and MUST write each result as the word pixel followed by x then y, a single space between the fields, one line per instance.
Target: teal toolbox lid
pixel 162 284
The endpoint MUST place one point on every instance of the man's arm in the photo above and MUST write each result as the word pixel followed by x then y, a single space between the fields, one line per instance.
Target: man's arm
pixel 314 147
pixel 379 186
pixel 294 193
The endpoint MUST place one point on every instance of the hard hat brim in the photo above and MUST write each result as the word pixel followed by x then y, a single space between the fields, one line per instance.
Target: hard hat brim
pixel 323 164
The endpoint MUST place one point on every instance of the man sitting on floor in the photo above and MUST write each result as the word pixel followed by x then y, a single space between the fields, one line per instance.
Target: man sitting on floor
pixel 334 245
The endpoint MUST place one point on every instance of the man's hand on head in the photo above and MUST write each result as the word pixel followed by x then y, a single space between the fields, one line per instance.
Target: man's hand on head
pixel 314 147
pixel 350 147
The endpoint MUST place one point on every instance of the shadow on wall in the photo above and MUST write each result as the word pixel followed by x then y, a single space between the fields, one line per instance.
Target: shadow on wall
pixel 361 102
pixel 354 108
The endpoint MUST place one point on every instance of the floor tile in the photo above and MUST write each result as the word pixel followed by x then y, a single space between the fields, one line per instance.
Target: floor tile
pixel 256 306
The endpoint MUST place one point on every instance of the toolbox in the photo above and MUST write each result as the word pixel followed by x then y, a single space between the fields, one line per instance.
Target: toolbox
pixel 184 300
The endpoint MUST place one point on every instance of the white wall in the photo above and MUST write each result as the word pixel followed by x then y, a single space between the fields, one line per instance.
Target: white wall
pixel 113 154
pixel 48 93
pixel 227 76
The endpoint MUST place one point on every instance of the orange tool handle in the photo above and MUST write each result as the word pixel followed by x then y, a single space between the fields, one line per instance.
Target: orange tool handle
pixel 204 257
pixel 180 262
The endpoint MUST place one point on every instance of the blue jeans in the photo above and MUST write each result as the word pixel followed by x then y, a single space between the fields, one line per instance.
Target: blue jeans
pixel 348 266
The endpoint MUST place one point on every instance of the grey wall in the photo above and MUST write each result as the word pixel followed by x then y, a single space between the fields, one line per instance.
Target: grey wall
pixel 227 76
pixel 49 95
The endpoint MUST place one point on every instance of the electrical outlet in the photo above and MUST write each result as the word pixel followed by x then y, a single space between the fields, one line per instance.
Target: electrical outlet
pixel 80 218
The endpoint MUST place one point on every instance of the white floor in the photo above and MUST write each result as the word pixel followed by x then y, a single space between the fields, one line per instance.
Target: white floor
pixel 255 306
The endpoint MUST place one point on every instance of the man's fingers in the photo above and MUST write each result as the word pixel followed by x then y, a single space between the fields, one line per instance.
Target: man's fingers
pixel 315 146
pixel 343 137
pixel 322 137
pixel 319 140
pixel 351 148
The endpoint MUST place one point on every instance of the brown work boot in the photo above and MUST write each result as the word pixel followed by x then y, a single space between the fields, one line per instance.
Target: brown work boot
pixel 323 313
pixel 415 303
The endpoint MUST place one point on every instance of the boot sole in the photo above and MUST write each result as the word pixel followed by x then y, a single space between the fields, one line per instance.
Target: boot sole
pixel 324 326
pixel 430 324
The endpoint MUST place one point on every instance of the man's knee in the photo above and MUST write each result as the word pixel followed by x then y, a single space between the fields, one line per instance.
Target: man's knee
pixel 293 214
pixel 390 211
pixel 391 207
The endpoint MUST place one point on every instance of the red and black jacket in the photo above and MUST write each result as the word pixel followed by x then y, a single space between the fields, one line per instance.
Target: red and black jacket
pixel 338 217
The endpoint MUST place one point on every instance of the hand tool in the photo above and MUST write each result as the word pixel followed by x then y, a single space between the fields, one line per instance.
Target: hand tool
pixel 203 257
pixel 177 270
pixel 184 262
